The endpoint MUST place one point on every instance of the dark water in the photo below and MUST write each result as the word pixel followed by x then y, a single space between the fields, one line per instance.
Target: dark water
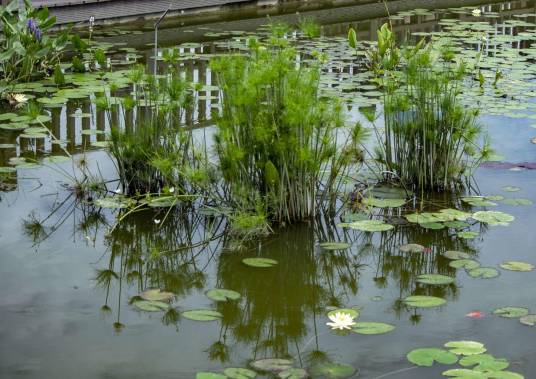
pixel 59 321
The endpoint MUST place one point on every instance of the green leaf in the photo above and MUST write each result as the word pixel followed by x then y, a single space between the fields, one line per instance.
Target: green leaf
pixel 349 311
pixel 465 347
pixel 368 226
pixel 427 356
pixel 151 306
pixel 504 375
pixel 352 38
pixel 529 320
pixel 484 362
pixel 383 203
pixel 202 315
pixel 271 364
pixel 259 262
pixel 511 312
pixel 156 294
pixel 493 217
pixel 209 375
pixel 372 328
pixel 435 279
pixel 517 266
pixel 463 373
pixel 293 373
pixel 424 301
pixel 239 373
pixel 334 245
pixel 411 248
pixel 467 264
pixel 455 255
pixel 517 202
pixel 220 294
pixel 484 273
pixel 467 235
pixel 333 370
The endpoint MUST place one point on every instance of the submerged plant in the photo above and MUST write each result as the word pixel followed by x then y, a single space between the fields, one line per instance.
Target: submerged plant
pixel 279 142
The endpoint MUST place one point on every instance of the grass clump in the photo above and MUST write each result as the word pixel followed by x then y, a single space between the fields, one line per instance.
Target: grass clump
pixel 279 142
pixel 430 140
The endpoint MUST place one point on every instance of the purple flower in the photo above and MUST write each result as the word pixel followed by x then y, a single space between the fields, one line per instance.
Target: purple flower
pixel 34 29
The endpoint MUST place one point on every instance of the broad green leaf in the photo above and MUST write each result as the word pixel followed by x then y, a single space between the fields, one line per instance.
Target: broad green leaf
pixel 427 356
pixel 202 315
pixel 220 294
pixel 483 273
pixel 424 301
pixel 517 266
pixel 465 347
pixel 259 262
pixel 511 312
pixel 332 370
pixel 435 279
pixel 372 328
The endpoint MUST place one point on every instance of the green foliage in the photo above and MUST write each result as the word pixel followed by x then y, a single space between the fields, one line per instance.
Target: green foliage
pixel 27 49
pixel 278 141
pixel 309 27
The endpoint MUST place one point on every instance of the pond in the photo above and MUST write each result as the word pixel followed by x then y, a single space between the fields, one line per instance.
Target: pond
pixel 69 272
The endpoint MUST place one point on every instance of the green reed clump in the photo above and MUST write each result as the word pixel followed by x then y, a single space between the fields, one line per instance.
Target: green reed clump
pixel 309 27
pixel 278 141
pixel 430 140
pixel 150 143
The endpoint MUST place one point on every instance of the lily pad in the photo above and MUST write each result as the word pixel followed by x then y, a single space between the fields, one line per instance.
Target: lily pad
pixel 369 226
pixel 113 202
pixel 7 170
pixel 424 301
pixel 202 315
pixel 372 328
pixel 467 235
pixel 483 273
pixel 493 217
pixel 504 375
pixel 220 294
pixel 383 203
pixel 517 202
pixel 239 373
pixel 529 320
pixel 467 264
pixel 349 311
pixel 411 248
pixel 427 356
pixel 435 279
pixel 151 306
pixel 484 362
pixel 432 225
pixel 335 245
pixel 272 364
pixel 465 347
pixel 259 262
pixel 209 375
pixel 293 373
pixel 57 159
pixel 517 266
pixel 511 312
pixel 156 294
pixel 463 373
pixel 332 370
pixel 456 255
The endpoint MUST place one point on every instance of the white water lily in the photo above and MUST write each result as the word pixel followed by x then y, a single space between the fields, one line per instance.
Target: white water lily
pixel 118 191
pixel 476 12
pixel 341 321
pixel 156 221
pixel 172 189
pixel 17 99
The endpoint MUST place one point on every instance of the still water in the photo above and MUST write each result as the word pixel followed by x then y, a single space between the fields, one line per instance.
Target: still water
pixel 67 280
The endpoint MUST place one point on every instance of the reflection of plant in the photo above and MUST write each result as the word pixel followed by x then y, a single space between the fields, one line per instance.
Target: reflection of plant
pixel 27 50
pixel 278 141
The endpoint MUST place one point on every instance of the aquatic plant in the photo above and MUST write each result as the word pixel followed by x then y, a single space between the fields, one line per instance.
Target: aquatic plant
pixel 27 50
pixel 430 140
pixel 278 141
pixel 309 27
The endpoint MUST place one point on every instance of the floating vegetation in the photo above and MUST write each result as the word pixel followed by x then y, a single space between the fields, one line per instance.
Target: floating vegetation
pixel 435 279
pixel 335 245
pixel 517 266
pixel 151 305
pixel 511 312
pixel 427 356
pixel 368 226
pixel 419 301
pixel 465 347
pixel 468 264
pixel 529 320
pixel 372 328
pixel 333 370
pixel 220 294
pixel 483 273
pixel 412 248
pixel 259 262
pixel 273 365
pixel 156 295
pixel 202 315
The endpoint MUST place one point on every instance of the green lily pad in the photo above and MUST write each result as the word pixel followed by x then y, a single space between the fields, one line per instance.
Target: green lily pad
pixel 113 202
pixel 57 159
pixel 517 202
pixel 424 301
pixel 271 364
pixel 465 347
pixel 484 362
pixel 259 262
pixel 456 255
pixel 455 214
pixel 511 312
pixel 220 294
pixel 427 356
pixel 517 266
pixel 151 306
pixel 368 226
pixel 463 373
pixel 432 225
pixel 332 370
pixel 383 203
pixel 493 217
pixel 478 201
pixel 467 264
pixel 372 328
pixel 411 248
pixel 335 245
pixel 239 373
pixel 349 311
pixel 467 235
pixel 529 320
pixel 435 279
pixel 209 375
pixel 511 188
pixel 202 315
pixel 100 144
pixel 503 375
pixel 7 170
pixel 456 224
pixel 483 273
pixel 293 373
pixel 7 116
pixel 422 218
pixel 156 294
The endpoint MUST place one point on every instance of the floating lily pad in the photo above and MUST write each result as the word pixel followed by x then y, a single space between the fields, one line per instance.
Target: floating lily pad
pixel 529 320
pixel 220 294
pixel 435 279
pixel 493 217
pixel 151 306
pixel 259 262
pixel 517 266
pixel 427 356
pixel 511 312
pixel 202 315
pixel 424 301
pixel 349 311
pixel 483 273
pixel 455 255
pixel 7 170
pixel 465 347
pixel 503 375
pixel 156 294
pixel 335 245
pixel 368 225
pixel 485 362
pixel 456 224
pixel 293 373
pixel 113 202
pixel 383 203
pixel 239 373
pixel 412 248
pixel 372 328
pixel 467 264
pixel 517 202
pixel 511 189
pixel 57 159
pixel 209 375
pixel 467 235
pixel 272 364
pixel 478 201
pixel 432 225
pixel 332 370
pixel 463 373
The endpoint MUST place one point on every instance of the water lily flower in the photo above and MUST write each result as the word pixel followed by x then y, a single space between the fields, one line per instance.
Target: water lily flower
pixel 341 321
pixel 118 190
pixel 476 12
pixel 156 221
pixel 172 189
pixel 17 99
